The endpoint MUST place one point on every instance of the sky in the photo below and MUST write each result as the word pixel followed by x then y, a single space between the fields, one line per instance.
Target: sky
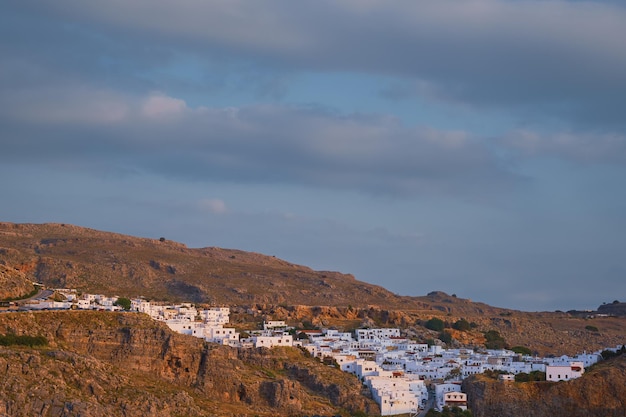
pixel 475 147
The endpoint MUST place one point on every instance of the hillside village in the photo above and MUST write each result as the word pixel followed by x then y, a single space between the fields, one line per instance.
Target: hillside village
pixel 402 375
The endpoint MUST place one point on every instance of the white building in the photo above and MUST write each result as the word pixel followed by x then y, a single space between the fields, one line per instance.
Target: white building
pixel 455 399
pixel 274 325
pixel 564 372
pixel 397 395
pixel 440 394
pixel 272 341
pixel 376 334
pixel 222 335
pixel 216 315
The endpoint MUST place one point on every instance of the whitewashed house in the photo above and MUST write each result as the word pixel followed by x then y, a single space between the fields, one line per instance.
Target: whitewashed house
pixel 455 399
pixel 564 372
pixel 272 341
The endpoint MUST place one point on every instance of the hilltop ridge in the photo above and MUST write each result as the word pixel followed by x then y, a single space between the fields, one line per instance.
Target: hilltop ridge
pixel 98 262
pixel 61 255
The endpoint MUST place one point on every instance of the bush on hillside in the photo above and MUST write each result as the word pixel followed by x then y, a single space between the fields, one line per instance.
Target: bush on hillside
pixel 123 302
pixel 494 340
pixel 30 341
pixel 462 325
pixel 435 324
pixel 522 350
pixel 531 377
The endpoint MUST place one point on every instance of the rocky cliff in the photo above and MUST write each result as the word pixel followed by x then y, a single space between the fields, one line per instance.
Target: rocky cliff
pixel 124 364
pixel 13 283
pixel 600 392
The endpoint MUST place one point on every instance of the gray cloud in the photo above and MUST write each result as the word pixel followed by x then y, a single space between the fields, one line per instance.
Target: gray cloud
pixel 553 58
pixel 585 147
pixel 262 143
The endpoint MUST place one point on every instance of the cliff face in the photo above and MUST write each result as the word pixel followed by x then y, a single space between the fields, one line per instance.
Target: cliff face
pixel 114 364
pixel 13 284
pixel 601 392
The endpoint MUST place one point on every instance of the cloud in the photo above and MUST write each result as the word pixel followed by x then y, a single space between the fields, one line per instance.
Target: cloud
pixel 213 205
pixel 581 147
pixel 62 105
pixel 254 144
pixel 158 106
pixel 552 59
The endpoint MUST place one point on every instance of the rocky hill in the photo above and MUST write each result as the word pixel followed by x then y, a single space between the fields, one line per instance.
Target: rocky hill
pixel 614 309
pixel 13 283
pixel 600 392
pixel 61 255
pixel 125 364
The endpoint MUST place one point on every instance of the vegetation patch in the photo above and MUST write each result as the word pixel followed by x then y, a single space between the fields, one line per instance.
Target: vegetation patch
pixel 435 324
pixel 493 340
pixel 449 412
pixel 531 377
pixel 522 350
pixel 24 340
pixel 462 325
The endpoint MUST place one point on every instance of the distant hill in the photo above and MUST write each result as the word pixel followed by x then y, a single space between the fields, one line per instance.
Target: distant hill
pixel 62 255
pixel 258 286
pixel 615 309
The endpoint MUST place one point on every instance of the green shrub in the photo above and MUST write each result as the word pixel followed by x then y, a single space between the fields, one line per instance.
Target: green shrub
pixel 445 337
pixel 494 340
pixel 435 324
pixel 522 350
pixel 462 325
pixel 591 328
pixel 123 302
pixel 31 341
pixel 533 376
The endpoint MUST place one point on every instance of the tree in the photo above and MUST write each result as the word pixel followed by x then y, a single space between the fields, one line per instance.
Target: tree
pixel 522 350
pixel 462 325
pixel 123 302
pixel 435 324
pixel 533 376
pixel 453 374
pixel 445 337
pixel 493 340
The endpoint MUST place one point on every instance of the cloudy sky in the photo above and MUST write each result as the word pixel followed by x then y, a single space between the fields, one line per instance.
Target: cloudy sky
pixel 476 147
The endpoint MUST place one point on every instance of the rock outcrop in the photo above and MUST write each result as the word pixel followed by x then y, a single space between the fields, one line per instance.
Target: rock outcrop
pixel 125 364
pixel 13 283
pixel 600 392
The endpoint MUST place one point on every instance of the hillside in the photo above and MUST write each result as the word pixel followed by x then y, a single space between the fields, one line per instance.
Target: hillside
pixel 13 283
pixel 600 392
pixel 258 286
pixel 62 256
pixel 125 364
